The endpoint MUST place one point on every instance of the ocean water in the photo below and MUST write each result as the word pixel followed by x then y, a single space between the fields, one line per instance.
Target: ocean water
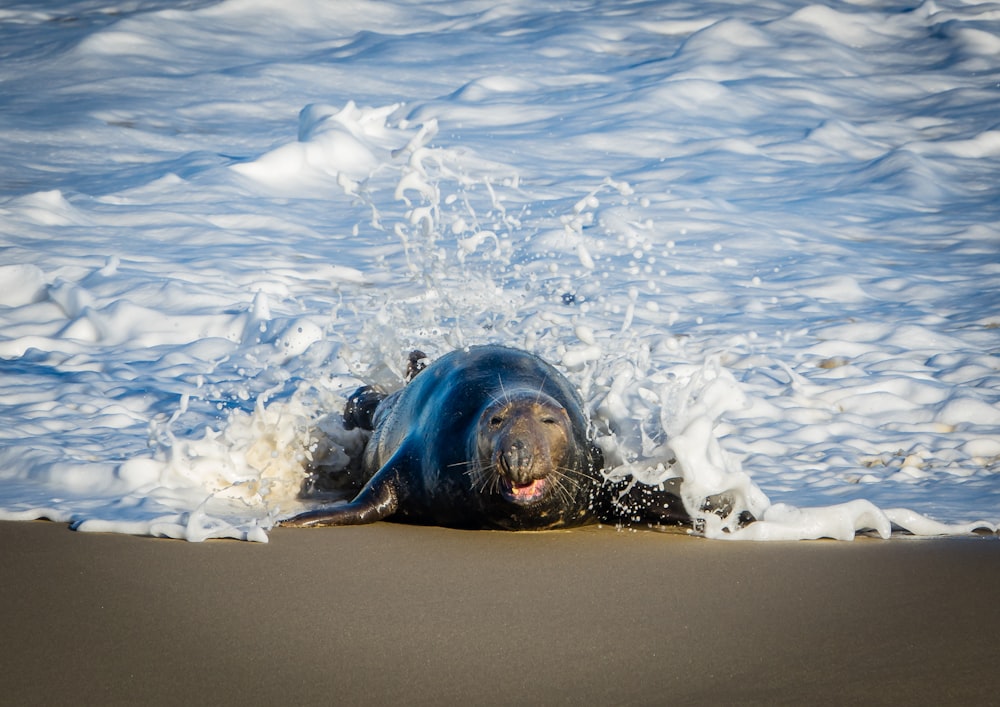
pixel 762 239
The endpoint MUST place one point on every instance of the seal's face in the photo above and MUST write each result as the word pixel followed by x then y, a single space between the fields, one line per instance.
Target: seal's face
pixel 523 442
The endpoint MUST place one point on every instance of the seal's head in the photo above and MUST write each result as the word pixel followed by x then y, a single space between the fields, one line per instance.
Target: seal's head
pixel 523 444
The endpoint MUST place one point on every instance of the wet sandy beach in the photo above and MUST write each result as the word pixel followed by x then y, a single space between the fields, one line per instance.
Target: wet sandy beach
pixel 409 615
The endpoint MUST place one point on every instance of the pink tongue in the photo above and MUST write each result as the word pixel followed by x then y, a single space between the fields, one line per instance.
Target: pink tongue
pixel 527 490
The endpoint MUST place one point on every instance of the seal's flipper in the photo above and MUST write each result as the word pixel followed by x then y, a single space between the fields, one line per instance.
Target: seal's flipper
pixel 416 363
pixel 378 500
pixel 630 502
pixel 724 505
pixel 360 408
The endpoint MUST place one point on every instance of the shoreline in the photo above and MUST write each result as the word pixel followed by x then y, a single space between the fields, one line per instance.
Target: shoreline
pixel 422 615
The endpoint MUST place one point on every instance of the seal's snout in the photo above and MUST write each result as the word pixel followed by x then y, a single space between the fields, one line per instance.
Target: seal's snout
pixel 517 461
pixel 522 468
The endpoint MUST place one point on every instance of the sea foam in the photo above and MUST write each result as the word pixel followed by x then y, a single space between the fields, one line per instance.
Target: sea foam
pixel 760 240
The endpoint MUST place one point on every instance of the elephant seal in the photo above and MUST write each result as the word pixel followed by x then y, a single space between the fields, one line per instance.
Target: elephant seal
pixel 486 437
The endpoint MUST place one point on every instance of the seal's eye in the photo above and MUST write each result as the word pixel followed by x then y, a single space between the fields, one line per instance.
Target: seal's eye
pixel 549 420
pixel 496 421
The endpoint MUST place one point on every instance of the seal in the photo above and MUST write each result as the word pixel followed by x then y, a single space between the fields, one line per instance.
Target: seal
pixel 486 437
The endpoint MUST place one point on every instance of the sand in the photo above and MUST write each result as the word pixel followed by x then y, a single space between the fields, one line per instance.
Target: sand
pixel 399 614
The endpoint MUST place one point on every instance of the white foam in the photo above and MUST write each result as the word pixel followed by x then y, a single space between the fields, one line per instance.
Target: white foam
pixel 762 240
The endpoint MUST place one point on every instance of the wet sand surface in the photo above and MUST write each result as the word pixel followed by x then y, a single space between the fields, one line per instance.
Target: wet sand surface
pixel 408 615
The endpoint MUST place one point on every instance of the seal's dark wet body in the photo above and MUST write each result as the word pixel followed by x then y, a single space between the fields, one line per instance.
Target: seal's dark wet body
pixel 488 437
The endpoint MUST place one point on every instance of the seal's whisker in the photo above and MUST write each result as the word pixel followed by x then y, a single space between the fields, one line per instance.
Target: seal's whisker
pixel 541 386
pixel 503 390
pixel 567 472
pixel 482 478
pixel 561 490
pixel 565 481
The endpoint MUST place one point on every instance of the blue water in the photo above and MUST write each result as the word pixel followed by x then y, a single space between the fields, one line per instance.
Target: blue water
pixel 762 239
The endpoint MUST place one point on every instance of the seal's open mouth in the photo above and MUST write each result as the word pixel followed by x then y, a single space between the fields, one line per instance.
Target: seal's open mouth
pixel 524 493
